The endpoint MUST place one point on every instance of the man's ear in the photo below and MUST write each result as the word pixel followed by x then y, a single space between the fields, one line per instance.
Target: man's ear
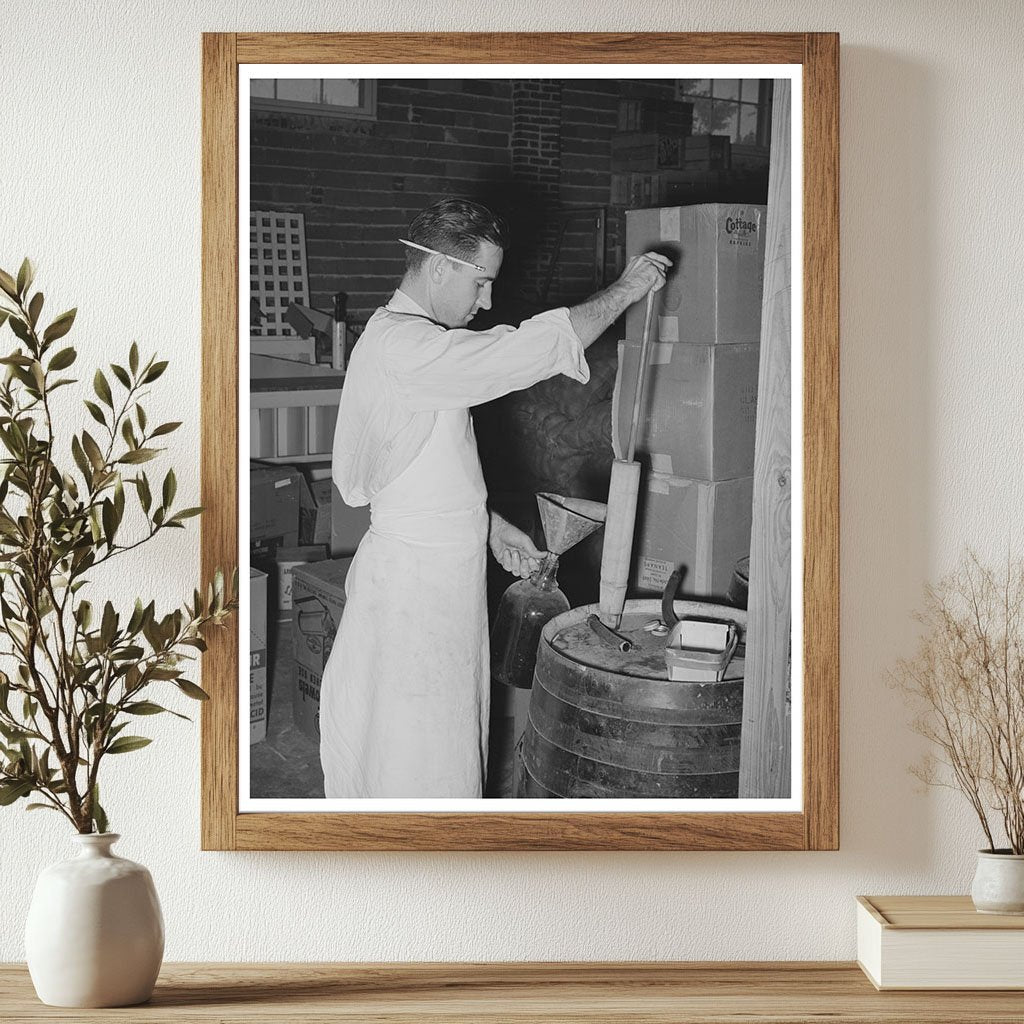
pixel 437 267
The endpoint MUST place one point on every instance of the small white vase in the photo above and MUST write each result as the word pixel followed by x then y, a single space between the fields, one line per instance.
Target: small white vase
pixel 999 882
pixel 95 933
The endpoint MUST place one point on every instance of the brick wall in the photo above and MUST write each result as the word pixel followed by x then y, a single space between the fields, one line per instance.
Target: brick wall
pixel 359 183
pixel 534 150
pixel 536 170
pixel 589 118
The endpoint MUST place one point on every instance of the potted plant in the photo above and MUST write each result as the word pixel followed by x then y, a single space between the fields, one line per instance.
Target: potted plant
pixel 79 672
pixel 967 680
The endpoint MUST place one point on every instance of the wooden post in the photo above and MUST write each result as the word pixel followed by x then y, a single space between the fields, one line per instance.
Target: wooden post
pixel 765 740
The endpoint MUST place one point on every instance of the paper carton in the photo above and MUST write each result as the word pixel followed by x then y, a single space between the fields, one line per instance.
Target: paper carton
pixel 258 703
pixel 285 562
pixel 702 525
pixel 646 151
pixel 315 511
pixel 712 295
pixel 273 507
pixel 318 600
pixel 699 410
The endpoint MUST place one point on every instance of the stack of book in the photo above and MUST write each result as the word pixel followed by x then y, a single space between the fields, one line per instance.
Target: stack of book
pixel 938 942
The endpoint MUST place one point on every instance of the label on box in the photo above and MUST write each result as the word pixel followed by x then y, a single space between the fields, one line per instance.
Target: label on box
pixel 257 695
pixel 654 573
pixel 742 229
pixel 306 702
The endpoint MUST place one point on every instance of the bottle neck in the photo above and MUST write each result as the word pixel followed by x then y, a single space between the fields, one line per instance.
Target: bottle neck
pixel 96 845
pixel 546 577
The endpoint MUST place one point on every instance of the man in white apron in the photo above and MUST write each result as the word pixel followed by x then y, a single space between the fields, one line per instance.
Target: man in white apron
pixel 404 698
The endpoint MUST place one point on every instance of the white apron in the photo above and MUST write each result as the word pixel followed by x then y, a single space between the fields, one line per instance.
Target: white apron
pixel 404 700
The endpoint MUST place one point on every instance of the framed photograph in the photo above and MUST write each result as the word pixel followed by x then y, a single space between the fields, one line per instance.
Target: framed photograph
pixel 408 242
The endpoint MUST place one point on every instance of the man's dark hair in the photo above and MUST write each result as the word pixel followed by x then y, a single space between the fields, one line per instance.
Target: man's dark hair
pixel 455 227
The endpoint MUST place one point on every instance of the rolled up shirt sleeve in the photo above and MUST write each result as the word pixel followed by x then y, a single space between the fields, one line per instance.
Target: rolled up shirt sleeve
pixel 432 368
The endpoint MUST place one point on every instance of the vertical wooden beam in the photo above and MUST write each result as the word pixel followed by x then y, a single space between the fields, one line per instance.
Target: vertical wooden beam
pixel 765 742
pixel 821 440
pixel 219 426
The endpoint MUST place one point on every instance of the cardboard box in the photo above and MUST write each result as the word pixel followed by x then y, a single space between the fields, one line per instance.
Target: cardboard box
pixel 348 525
pixel 273 507
pixel 652 114
pixel 258 697
pixel 646 151
pixel 285 562
pixel 702 525
pixel 639 189
pixel 699 412
pixel 713 293
pixel 315 511
pixel 318 600
pixel 711 151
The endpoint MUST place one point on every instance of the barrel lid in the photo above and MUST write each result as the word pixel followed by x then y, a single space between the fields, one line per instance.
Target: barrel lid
pixel 571 637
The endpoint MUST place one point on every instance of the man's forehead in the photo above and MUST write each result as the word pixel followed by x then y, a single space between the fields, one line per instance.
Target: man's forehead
pixel 489 255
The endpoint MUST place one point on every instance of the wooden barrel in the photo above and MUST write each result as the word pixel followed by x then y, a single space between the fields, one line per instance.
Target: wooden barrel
pixel 606 724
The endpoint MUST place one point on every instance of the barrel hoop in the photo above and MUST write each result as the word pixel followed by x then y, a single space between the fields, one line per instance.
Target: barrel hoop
pixel 572 775
pixel 612 739
pixel 641 700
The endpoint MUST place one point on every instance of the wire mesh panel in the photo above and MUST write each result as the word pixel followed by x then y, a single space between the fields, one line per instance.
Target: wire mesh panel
pixel 277 270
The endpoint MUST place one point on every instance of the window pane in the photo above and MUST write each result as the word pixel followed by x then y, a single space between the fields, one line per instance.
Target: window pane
pixel 342 92
pixel 701 117
pixel 750 90
pixel 263 87
pixel 727 88
pixel 748 124
pixel 723 119
pixel 694 86
pixel 302 90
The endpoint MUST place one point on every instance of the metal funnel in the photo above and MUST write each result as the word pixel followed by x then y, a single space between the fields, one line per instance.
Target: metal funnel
pixel 567 521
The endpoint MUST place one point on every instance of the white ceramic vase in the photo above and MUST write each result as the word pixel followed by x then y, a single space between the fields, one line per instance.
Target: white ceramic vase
pixel 95 933
pixel 999 883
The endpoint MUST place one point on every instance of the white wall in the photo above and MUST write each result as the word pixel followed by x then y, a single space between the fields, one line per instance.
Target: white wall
pixel 100 183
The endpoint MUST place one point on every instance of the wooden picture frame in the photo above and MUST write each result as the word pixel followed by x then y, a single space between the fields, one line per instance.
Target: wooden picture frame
pixel 816 825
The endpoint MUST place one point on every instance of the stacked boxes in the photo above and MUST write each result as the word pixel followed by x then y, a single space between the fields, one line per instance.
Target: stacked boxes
pixel 285 562
pixel 655 159
pixel 695 436
pixel 708 153
pixel 713 294
pixel 702 524
pixel 646 151
pixel 315 512
pixel 643 188
pixel 650 114
pixel 699 409
pixel 318 599
pixel 273 508
pixel 258 701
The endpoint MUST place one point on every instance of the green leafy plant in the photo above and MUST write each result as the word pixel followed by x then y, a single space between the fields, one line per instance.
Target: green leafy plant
pixel 81 673
pixel 967 682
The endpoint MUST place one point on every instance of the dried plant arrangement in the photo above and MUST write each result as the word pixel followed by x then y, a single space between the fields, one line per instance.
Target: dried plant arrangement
pixel 81 672
pixel 967 682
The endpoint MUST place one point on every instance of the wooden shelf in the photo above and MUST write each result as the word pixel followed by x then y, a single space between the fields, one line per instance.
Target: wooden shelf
pixel 624 993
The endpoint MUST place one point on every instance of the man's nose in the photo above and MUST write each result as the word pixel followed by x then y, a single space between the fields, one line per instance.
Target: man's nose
pixel 484 301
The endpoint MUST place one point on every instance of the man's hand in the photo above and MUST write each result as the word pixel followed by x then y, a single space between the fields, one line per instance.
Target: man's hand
pixel 645 273
pixel 512 548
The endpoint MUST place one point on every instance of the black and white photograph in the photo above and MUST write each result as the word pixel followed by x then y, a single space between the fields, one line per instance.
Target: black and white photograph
pixel 517 381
